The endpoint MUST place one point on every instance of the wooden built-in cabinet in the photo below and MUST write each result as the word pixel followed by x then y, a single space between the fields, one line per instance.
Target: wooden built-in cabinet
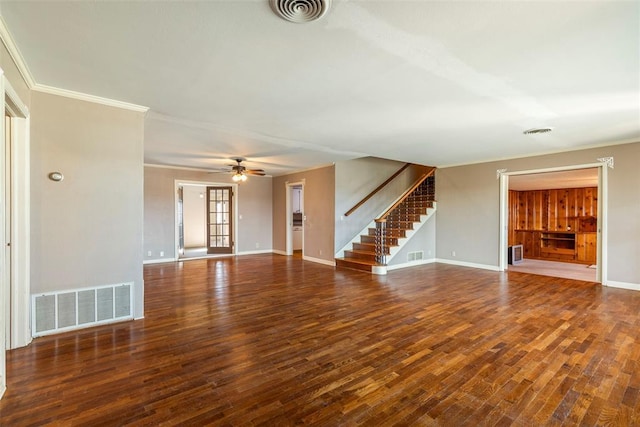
pixel 557 225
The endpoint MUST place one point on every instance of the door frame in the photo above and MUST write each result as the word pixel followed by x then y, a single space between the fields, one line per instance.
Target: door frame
pixel 15 322
pixel 601 244
pixel 204 184
pixel 289 216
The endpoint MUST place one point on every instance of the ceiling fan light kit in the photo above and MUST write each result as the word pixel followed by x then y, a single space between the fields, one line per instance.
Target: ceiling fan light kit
pixel 239 177
pixel 240 171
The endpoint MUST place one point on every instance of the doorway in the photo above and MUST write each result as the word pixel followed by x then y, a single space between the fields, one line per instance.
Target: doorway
pixel 206 218
pixel 15 327
pixel 556 218
pixel 295 218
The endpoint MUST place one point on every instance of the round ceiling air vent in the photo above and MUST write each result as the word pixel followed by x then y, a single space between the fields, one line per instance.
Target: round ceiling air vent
pixel 535 131
pixel 300 11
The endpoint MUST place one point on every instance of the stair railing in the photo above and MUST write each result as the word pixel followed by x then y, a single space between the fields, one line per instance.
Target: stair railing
pixel 424 186
pixel 378 188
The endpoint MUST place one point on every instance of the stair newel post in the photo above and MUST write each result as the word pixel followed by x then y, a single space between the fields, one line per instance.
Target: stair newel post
pixel 381 237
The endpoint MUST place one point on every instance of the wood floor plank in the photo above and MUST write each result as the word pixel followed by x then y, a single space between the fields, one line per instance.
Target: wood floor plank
pixel 273 340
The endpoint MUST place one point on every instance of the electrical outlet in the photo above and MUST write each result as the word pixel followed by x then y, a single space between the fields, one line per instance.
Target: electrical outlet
pixel 453 253
pixel 320 251
pixel 149 253
pixel 161 253
pixel 428 252
pixel 257 245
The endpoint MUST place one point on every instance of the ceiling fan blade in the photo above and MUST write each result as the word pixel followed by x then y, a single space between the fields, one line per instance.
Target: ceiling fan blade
pixel 258 172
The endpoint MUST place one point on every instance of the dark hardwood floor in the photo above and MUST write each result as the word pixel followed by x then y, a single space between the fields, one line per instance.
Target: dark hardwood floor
pixel 271 340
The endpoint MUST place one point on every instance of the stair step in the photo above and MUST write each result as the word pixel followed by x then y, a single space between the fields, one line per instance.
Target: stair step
pixel 370 247
pixel 404 209
pixel 400 219
pixel 359 254
pixel 357 264
pixel 403 225
pixel 391 241
pixel 403 217
pixel 390 232
pixel 416 204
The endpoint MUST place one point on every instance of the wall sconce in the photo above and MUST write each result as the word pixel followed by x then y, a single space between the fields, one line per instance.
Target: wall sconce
pixel 56 176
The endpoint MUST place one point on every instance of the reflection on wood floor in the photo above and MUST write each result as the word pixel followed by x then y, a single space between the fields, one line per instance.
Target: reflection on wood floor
pixel 566 270
pixel 194 253
pixel 274 340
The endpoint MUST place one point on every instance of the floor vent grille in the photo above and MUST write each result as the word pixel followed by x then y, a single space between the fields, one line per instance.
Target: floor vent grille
pixel 72 309
pixel 415 256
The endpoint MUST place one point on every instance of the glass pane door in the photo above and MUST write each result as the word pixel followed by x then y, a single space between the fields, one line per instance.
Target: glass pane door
pixel 219 220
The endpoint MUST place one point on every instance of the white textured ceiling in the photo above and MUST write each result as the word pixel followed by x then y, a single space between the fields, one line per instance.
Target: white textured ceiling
pixel 578 178
pixel 437 83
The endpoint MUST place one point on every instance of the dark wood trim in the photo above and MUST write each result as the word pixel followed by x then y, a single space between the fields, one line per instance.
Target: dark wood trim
pixel 378 188
pixel 220 249
pixel 383 217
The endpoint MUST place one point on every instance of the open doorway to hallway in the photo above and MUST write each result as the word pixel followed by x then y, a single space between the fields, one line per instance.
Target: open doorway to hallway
pixel 553 222
pixel 193 242
pixel 295 219
pixel 205 219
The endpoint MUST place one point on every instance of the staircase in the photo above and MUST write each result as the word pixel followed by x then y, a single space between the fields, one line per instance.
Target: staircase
pixel 378 243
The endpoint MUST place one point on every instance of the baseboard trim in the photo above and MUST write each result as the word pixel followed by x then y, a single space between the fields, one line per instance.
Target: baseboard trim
pixel 468 264
pixel 158 261
pixel 260 252
pixel 163 260
pixel 410 264
pixel 319 261
pixel 623 285
pixel 279 252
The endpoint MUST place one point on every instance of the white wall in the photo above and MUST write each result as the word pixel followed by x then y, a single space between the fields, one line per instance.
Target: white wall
pixel 86 230
pixel 194 205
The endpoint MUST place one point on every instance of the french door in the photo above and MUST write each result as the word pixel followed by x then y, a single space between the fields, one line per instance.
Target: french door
pixel 219 220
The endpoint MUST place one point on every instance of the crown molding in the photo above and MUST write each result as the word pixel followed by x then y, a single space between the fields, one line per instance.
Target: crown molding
pixel 14 52
pixel 90 98
pixel 8 42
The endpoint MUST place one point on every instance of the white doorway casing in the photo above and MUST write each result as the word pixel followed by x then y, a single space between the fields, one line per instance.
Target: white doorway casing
pixel 15 326
pixel 601 257
pixel 204 185
pixel 289 187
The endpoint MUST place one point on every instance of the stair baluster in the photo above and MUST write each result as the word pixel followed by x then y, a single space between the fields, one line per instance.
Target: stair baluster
pixel 375 247
pixel 381 242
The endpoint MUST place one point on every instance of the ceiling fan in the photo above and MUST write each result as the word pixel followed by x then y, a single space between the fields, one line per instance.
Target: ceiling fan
pixel 240 171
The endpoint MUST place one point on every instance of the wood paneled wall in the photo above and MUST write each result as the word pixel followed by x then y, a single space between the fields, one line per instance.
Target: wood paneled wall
pixel 569 213
pixel 574 209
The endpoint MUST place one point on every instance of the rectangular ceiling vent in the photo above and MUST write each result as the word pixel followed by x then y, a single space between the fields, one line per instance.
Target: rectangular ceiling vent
pixel 73 309
pixel 415 256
